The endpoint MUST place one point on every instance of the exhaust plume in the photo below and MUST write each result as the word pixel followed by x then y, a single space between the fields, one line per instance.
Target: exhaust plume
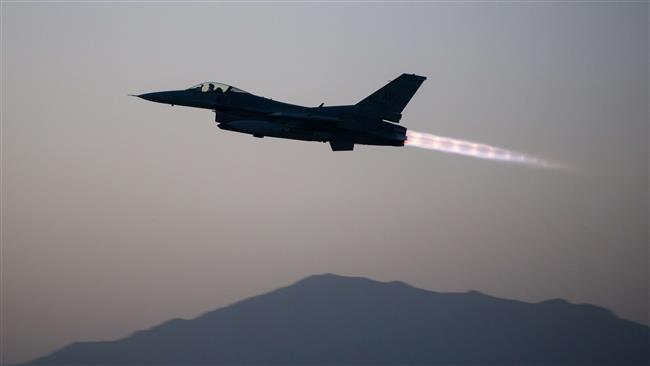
pixel 473 149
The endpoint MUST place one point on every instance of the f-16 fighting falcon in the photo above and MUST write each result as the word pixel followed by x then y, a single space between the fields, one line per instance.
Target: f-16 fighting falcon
pixel 372 121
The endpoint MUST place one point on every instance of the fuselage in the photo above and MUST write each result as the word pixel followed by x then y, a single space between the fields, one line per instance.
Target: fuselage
pixel 240 111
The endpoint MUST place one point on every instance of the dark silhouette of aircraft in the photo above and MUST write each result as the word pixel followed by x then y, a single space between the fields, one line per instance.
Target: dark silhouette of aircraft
pixel 369 122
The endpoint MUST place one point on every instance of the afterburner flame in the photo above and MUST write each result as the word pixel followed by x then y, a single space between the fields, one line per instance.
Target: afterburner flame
pixel 473 149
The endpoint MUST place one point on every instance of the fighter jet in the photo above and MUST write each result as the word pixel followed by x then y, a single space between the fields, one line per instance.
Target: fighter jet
pixel 372 121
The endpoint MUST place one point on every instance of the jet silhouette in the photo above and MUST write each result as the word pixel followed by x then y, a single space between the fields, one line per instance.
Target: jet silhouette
pixel 369 122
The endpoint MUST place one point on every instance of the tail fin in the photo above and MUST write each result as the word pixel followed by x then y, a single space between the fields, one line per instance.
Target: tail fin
pixel 389 101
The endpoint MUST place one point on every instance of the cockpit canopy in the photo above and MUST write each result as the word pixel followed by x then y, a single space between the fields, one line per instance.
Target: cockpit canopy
pixel 215 87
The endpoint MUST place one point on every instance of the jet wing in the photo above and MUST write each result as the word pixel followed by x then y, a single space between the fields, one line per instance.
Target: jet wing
pixel 304 116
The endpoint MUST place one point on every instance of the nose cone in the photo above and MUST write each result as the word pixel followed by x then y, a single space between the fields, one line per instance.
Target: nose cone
pixel 167 97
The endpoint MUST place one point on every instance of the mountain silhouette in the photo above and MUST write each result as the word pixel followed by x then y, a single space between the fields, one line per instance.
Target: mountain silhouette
pixel 329 319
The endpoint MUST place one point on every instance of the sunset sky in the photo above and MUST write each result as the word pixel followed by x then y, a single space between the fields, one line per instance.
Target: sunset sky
pixel 118 214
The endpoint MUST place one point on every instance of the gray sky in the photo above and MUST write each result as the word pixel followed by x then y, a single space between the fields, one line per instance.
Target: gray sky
pixel 119 213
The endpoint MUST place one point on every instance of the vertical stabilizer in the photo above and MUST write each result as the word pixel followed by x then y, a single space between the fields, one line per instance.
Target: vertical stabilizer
pixel 389 101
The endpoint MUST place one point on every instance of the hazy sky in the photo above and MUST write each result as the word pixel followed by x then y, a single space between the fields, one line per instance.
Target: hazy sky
pixel 119 213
